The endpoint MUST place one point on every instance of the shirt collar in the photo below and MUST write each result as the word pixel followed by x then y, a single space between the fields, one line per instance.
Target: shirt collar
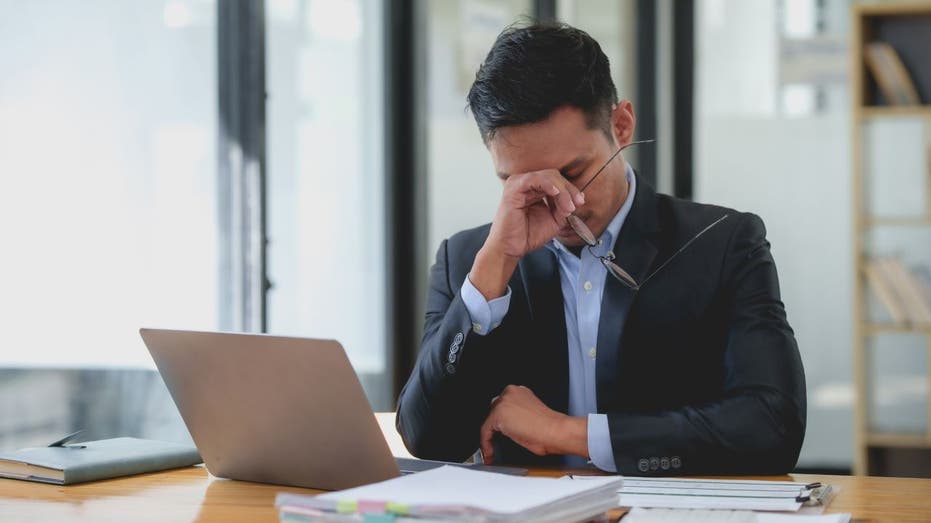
pixel 609 236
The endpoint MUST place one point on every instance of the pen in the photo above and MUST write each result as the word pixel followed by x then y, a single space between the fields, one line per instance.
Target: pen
pixel 66 439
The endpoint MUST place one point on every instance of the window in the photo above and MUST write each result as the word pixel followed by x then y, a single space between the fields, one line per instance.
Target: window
pixel 108 209
pixel 107 205
pixel 326 253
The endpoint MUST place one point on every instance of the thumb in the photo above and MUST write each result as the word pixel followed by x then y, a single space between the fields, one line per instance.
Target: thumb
pixel 488 451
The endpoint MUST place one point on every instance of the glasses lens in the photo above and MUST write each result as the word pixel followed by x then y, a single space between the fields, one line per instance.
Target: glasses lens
pixel 582 230
pixel 620 273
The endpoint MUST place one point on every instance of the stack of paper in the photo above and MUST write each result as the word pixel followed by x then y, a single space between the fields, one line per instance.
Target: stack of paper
pixel 710 493
pixel 457 494
pixel 678 515
pixel 743 494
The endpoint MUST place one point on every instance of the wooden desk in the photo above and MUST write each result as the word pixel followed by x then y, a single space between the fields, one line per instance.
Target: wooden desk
pixel 192 495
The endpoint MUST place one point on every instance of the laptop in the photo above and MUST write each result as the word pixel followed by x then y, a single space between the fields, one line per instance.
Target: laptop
pixel 274 409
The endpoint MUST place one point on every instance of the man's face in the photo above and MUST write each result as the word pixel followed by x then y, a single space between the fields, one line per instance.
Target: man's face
pixel 564 142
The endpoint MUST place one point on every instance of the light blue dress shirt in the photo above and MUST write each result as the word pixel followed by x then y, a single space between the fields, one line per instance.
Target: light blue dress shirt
pixel 582 279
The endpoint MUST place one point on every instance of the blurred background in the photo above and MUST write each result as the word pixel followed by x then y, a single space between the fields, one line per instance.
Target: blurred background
pixel 290 167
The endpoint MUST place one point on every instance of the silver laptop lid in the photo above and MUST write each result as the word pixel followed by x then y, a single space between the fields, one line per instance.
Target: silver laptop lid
pixel 273 409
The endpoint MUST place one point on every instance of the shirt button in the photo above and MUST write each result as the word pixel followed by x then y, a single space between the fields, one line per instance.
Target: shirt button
pixel 477 327
pixel 587 286
pixel 591 353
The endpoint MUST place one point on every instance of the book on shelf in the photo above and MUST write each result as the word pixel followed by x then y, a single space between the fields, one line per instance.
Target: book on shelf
pixel 917 308
pixel 923 278
pixel 882 287
pixel 890 73
pixel 905 294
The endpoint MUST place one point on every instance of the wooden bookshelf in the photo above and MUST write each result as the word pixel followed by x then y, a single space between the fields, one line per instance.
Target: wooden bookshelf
pixel 872 329
pixel 880 22
pixel 880 221
pixel 892 111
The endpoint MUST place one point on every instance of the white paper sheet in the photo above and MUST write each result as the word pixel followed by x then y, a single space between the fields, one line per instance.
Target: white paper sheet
pixel 710 494
pixel 486 492
pixel 642 515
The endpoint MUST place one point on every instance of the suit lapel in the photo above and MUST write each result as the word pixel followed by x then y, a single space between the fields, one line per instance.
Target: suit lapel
pixel 539 277
pixel 635 252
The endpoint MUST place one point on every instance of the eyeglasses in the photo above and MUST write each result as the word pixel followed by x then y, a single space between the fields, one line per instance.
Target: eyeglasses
pixel 585 234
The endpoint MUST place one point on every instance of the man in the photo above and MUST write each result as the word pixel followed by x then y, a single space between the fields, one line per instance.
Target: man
pixel 681 362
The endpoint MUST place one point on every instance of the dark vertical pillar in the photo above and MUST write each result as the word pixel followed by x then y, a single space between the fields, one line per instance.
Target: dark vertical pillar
pixel 645 103
pixel 683 96
pixel 405 186
pixel 241 164
pixel 544 10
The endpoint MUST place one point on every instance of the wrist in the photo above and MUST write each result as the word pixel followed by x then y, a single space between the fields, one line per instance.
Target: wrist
pixel 571 436
pixel 491 272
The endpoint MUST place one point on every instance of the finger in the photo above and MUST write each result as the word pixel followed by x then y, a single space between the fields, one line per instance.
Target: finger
pixel 564 201
pixel 549 185
pixel 564 186
pixel 537 182
pixel 486 435
pixel 579 198
pixel 568 187
pixel 529 198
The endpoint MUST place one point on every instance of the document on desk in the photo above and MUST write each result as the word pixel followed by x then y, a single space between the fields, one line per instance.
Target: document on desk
pixel 458 494
pixel 680 515
pixel 781 496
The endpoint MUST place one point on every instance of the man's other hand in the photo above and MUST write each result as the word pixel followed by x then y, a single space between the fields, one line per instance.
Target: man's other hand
pixel 518 414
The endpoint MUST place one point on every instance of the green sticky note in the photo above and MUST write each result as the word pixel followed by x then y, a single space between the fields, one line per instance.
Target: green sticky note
pixel 397 508
pixel 346 507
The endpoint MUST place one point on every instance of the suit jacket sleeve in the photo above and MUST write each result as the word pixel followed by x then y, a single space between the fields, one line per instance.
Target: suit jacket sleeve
pixel 447 396
pixel 759 423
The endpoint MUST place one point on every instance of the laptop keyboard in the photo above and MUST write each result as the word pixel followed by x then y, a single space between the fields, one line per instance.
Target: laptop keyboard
pixel 411 465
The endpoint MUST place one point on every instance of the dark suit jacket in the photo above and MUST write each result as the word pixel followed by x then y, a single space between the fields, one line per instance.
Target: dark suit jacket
pixel 698 371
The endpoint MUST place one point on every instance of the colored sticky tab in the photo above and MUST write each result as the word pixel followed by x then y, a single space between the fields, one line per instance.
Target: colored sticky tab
pixel 346 507
pixel 372 507
pixel 397 508
pixel 377 518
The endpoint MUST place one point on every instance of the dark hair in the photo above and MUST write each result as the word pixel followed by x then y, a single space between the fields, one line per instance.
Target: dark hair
pixel 533 69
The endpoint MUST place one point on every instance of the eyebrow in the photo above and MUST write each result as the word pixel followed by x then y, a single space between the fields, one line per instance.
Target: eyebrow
pixel 564 169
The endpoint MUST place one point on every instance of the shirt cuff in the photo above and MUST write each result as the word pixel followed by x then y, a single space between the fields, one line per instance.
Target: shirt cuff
pixel 599 443
pixel 485 315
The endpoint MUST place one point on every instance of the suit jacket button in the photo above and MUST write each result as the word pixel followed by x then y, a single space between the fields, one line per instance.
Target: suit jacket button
pixel 643 465
pixel 452 357
pixel 664 463
pixel 676 462
pixel 450 368
pixel 654 463
pixel 458 339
